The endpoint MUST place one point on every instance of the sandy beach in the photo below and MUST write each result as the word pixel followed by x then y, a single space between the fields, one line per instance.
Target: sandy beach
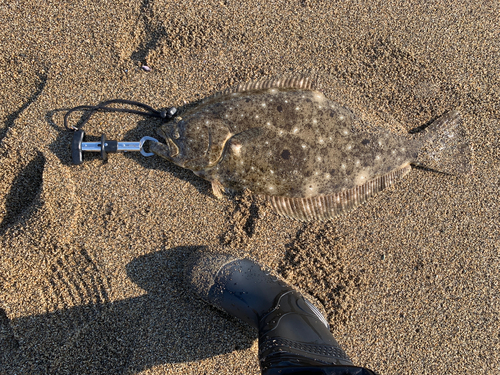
pixel 92 256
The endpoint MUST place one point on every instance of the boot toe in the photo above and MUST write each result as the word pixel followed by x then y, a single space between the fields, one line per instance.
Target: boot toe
pixel 202 270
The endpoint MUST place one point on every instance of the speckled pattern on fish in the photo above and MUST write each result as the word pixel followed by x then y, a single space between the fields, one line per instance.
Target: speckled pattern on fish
pixel 284 140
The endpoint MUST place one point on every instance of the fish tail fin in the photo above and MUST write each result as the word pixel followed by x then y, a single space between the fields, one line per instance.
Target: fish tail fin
pixel 445 147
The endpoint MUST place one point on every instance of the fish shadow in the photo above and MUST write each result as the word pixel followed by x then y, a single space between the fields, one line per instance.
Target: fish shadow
pixel 167 324
pixel 61 147
pixel 148 127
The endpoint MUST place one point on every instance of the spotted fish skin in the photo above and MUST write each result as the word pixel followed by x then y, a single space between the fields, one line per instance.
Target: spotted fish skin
pixel 302 145
pixel 289 143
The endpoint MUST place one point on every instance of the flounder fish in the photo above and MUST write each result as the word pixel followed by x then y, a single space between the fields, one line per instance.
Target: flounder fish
pixel 284 140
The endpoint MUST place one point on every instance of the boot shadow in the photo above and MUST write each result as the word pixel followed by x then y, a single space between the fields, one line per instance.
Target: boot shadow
pixel 167 324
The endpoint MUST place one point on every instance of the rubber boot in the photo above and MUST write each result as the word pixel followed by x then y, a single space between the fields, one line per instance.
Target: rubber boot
pixel 294 337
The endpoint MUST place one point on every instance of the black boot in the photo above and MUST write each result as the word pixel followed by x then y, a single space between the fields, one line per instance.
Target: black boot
pixel 294 337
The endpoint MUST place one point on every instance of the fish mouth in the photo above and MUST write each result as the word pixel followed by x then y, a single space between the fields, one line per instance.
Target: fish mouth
pixel 173 149
pixel 169 149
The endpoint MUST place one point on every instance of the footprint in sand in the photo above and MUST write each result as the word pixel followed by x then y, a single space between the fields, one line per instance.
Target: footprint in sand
pixel 314 262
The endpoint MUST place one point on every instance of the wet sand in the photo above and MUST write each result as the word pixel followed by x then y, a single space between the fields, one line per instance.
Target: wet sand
pixel 92 256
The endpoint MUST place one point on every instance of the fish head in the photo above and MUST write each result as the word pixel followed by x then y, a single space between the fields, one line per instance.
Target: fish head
pixel 196 142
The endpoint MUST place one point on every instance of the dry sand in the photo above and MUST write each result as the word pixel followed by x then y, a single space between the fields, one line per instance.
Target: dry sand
pixel 92 256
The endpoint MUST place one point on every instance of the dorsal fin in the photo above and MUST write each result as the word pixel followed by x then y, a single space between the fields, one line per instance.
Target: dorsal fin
pixel 325 207
pixel 291 81
pixel 297 81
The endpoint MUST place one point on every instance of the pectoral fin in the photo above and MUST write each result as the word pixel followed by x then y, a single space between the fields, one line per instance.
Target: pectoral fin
pixel 217 188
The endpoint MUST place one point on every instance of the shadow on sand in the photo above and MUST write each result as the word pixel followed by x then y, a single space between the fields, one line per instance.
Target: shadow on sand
pixel 167 324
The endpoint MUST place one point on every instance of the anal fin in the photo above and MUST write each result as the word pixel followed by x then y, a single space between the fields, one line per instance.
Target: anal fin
pixel 326 207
